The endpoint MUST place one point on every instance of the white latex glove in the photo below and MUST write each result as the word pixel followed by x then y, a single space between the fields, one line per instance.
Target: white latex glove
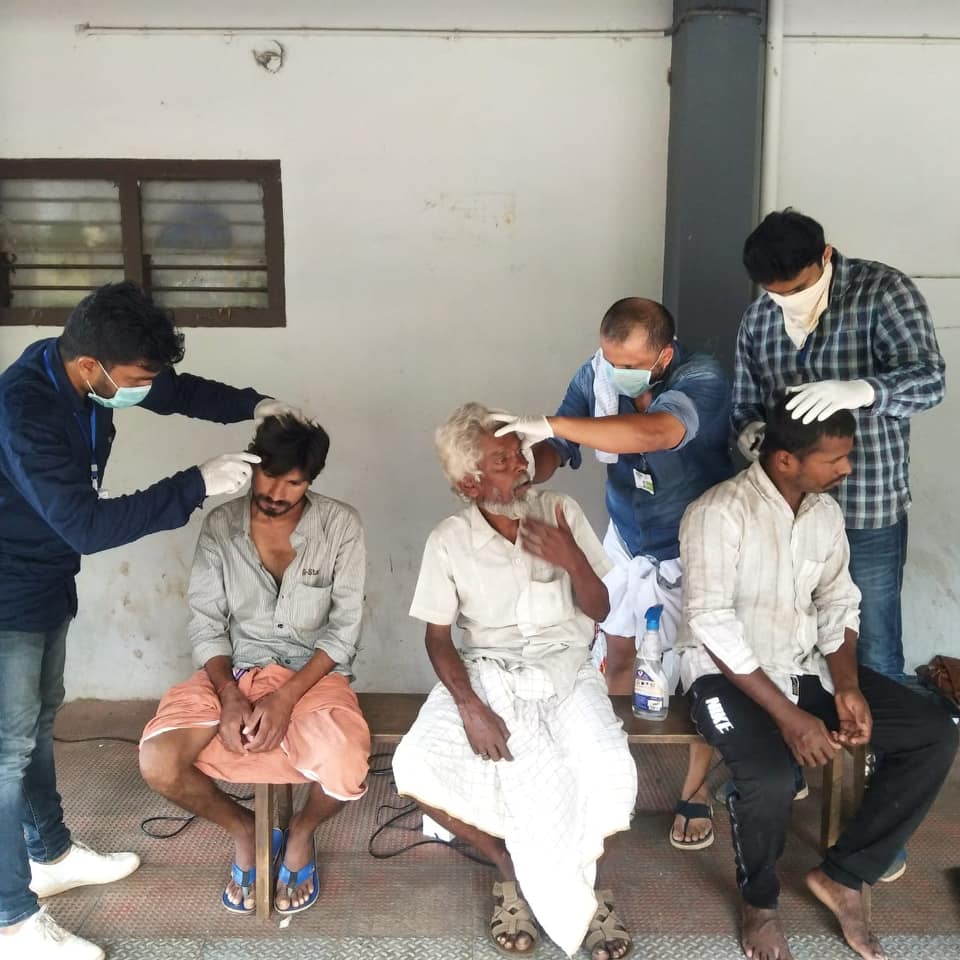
pixel 227 473
pixel 531 429
pixel 527 441
pixel 817 401
pixel 276 408
pixel 748 443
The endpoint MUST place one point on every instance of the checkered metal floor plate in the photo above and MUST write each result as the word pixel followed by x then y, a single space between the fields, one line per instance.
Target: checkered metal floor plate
pixel 432 902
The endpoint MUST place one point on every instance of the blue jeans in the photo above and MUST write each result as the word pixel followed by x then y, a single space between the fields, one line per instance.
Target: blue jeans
pixel 31 818
pixel 877 558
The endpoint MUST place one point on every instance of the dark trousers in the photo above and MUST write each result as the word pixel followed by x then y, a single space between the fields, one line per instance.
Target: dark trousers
pixel 917 742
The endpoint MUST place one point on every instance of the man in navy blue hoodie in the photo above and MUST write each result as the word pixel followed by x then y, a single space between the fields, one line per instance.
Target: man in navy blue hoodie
pixel 56 430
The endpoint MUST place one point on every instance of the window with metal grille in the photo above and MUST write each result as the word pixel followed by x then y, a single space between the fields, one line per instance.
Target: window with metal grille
pixel 203 237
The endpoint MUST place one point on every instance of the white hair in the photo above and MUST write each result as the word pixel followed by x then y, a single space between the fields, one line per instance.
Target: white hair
pixel 458 442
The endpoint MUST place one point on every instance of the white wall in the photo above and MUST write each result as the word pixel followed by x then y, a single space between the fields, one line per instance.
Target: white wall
pixel 870 147
pixel 458 214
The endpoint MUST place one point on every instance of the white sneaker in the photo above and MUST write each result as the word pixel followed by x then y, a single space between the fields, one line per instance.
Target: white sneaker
pixel 81 867
pixel 42 938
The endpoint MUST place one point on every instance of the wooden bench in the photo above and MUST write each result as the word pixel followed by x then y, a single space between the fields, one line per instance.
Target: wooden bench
pixel 390 716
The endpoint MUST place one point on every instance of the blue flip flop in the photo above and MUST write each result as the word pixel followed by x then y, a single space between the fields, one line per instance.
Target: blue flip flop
pixel 245 879
pixel 293 880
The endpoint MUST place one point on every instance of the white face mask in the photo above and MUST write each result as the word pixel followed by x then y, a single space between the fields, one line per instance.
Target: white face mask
pixel 802 310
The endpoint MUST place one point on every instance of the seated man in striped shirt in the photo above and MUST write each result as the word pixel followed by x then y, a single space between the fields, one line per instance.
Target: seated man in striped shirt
pixel 275 597
pixel 768 656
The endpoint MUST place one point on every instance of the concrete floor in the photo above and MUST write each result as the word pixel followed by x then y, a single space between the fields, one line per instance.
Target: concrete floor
pixel 431 902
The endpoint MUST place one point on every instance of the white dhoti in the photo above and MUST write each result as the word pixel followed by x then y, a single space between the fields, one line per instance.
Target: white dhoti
pixel 571 783
pixel 634 585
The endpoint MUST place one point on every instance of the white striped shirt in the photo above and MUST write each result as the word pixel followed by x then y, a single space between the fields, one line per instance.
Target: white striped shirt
pixel 237 609
pixel 764 588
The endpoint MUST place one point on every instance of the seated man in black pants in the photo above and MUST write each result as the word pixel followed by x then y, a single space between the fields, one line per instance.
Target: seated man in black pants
pixel 768 655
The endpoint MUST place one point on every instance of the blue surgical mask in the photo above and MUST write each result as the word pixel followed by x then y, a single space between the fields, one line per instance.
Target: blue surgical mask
pixel 124 397
pixel 630 383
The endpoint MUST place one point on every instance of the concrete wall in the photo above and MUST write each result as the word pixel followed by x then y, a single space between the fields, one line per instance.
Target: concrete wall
pixel 458 213
pixel 869 149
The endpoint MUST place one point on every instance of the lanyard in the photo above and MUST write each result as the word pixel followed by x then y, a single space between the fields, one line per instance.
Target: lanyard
pixel 94 469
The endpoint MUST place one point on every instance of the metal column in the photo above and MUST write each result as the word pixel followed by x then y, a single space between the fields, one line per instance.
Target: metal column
pixel 713 167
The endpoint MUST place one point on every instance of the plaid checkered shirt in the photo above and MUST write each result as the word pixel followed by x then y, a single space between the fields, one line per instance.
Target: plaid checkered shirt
pixel 876 328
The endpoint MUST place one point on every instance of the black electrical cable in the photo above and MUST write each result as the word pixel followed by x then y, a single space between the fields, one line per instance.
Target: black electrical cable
pixel 405 810
pixel 184 821
pixel 458 845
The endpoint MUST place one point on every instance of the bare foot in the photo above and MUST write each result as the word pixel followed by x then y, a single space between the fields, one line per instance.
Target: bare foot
pixel 697 828
pixel 245 857
pixel 761 935
pixel 300 851
pixel 847 906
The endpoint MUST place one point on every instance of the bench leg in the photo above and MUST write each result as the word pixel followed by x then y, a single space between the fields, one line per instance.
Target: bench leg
pixel 284 805
pixel 264 798
pixel 832 802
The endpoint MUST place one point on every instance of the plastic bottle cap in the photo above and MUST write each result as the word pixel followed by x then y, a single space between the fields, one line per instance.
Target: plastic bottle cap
pixel 653 617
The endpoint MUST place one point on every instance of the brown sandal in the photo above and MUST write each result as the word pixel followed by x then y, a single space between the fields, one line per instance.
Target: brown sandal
pixel 606 925
pixel 511 915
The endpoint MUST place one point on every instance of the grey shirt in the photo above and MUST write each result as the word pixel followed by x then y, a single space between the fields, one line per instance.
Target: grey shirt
pixel 237 610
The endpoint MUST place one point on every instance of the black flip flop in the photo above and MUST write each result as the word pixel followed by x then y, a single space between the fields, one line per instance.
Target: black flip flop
pixel 692 811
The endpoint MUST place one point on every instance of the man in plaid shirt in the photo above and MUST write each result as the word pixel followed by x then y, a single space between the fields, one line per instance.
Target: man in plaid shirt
pixel 843 334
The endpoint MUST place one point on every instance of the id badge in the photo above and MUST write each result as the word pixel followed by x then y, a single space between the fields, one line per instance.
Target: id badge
pixel 643 481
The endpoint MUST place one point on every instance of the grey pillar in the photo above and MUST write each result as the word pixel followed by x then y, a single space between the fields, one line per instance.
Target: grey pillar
pixel 713 167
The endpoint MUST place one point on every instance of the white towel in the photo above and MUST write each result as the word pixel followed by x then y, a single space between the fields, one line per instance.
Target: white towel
pixel 606 398
pixel 634 585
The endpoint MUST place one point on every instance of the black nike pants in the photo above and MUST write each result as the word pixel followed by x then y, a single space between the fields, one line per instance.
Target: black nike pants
pixel 915 738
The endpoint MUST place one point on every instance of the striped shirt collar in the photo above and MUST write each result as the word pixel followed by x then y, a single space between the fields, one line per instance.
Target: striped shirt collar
pixel 309 527
pixel 760 480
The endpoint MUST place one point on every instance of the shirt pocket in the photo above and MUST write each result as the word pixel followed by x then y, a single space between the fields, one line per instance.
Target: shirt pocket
pixel 808 579
pixel 313 606
pixel 549 603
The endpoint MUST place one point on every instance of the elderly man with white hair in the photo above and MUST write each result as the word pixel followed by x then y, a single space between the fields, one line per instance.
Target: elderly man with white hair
pixel 517 750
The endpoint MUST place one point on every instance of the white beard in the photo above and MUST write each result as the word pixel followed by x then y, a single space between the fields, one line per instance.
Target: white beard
pixel 517 509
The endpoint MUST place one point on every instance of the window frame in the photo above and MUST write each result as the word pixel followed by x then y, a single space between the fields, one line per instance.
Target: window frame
pixel 127 175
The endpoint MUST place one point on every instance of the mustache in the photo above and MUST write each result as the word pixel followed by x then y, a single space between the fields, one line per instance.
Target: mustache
pixel 266 505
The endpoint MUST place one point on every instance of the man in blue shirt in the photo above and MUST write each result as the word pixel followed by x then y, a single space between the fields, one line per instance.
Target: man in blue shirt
pixel 656 416
pixel 56 430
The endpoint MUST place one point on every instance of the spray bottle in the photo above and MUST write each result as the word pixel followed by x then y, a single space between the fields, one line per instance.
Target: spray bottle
pixel 651 697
